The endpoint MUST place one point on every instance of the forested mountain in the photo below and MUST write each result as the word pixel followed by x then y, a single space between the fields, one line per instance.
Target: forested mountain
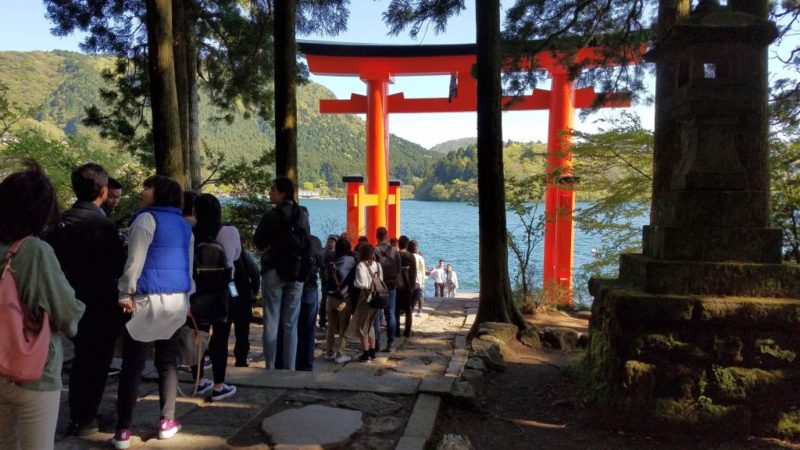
pixel 58 85
pixel 453 145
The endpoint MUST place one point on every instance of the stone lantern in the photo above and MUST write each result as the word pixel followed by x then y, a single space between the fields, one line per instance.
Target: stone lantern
pixel 700 331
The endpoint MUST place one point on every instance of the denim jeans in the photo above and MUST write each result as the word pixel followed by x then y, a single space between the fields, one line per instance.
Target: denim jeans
pixel 391 321
pixel 281 309
pixel 306 329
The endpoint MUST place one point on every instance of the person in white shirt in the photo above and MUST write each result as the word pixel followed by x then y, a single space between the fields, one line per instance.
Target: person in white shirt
pixel 439 279
pixel 361 326
pixel 451 281
pixel 419 293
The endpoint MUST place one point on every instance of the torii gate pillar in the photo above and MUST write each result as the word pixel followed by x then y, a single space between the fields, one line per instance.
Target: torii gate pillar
pixel 560 192
pixel 377 158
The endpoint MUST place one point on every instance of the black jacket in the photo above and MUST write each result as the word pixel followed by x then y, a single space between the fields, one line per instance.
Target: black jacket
pixel 247 277
pixel 318 265
pixel 273 227
pixel 91 254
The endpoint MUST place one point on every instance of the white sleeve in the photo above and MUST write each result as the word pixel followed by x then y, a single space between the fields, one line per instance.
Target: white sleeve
pixel 228 237
pixel 140 237
pixel 362 280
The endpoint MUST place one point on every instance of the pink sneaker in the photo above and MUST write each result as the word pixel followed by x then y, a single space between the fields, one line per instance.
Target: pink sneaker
pixel 122 439
pixel 168 428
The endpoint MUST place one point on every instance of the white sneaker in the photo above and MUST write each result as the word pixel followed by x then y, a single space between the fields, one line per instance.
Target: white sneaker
pixel 329 358
pixel 343 359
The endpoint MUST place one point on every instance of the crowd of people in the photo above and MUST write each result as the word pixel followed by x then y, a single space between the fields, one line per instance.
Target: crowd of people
pixel 177 267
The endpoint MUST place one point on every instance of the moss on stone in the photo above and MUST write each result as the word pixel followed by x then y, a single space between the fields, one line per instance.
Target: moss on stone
pixel 705 416
pixel 769 349
pixel 739 383
pixel 789 424
pixel 665 347
pixel 728 349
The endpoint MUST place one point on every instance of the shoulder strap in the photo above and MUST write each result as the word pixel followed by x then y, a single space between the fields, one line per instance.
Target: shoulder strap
pixel 9 256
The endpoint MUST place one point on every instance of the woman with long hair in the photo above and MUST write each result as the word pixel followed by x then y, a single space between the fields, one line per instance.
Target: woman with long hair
pixel 29 410
pixel 154 290
pixel 209 228
pixel 361 325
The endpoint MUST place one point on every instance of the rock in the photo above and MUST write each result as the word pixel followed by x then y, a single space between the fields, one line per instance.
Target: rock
pixel 463 395
pixel 505 332
pixel 371 404
pixel 505 350
pixel 455 442
pixel 472 376
pixel 304 397
pixel 312 426
pixel 560 338
pixel 384 424
pixel 490 354
pixel 531 337
pixel 586 315
pixel 371 443
pixel 475 363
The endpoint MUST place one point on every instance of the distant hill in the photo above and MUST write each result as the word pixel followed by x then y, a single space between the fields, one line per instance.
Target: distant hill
pixel 61 84
pixel 453 145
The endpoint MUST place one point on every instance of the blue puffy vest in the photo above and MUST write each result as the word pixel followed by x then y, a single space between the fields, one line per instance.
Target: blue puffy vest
pixel 166 268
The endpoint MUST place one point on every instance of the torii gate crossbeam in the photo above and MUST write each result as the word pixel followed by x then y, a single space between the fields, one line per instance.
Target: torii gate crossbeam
pixel 376 65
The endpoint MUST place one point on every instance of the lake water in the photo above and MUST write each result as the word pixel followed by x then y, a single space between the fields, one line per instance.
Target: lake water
pixel 444 230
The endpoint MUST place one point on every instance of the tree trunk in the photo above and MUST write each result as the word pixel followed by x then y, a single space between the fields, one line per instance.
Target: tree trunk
pixel 180 41
pixel 496 300
pixel 285 85
pixel 194 97
pixel 163 93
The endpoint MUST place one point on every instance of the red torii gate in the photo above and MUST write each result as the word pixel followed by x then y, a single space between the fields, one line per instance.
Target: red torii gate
pixel 376 65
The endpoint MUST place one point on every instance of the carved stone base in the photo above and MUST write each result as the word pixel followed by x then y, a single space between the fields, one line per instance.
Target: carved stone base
pixel 695 363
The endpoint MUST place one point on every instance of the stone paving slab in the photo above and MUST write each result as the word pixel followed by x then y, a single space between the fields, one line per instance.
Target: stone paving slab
pixel 421 423
pixel 436 385
pixel 385 384
pixel 255 377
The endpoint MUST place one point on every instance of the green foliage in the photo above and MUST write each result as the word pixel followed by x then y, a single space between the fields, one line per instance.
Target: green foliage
pixel 524 200
pixel 615 168
pixel 785 200
pixel 329 146
pixel 58 157
pixel 454 144
pixel 455 177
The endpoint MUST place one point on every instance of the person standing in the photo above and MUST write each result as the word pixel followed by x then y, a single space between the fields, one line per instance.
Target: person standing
pixel 277 234
pixel 339 273
pixel 407 284
pixel 361 325
pixel 248 283
pixel 309 303
pixel 113 197
pixel 215 313
pixel 439 279
pixel 451 281
pixel 29 410
pixel 330 255
pixel 419 293
pixel 91 255
pixel 389 259
pixel 154 290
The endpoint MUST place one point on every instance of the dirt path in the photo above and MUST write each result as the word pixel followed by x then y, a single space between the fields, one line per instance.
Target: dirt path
pixel 537 404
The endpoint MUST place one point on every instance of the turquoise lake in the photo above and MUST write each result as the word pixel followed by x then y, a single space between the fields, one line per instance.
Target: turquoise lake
pixel 444 230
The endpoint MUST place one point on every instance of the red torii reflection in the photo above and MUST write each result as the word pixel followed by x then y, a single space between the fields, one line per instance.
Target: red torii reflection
pixel 377 64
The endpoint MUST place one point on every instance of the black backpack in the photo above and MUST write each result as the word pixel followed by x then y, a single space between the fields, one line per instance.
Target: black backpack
pixel 334 286
pixel 292 250
pixel 388 259
pixel 211 278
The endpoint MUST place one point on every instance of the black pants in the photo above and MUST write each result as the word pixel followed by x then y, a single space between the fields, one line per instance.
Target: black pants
pixel 94 350
pixel 217 350
pixel 134 354
pixel 438 289
pixel 241 312
pixel 404 306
